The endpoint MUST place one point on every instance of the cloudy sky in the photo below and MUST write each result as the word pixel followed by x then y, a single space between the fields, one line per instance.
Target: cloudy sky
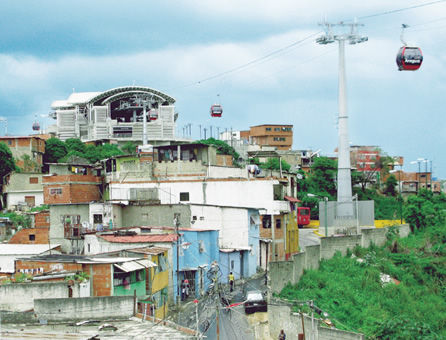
pixel 258 58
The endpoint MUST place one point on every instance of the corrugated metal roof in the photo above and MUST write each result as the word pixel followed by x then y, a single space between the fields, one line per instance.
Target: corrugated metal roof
pixel 167 238
pixel 135 265
pixel 148 250
pixel 25 249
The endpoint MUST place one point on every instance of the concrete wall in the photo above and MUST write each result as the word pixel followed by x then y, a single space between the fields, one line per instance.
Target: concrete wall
pixel 257 193
pixel 282 272
pixel 373 235
pixel 77 309
pixel 330 245
pixel 280 317
pixel 20 296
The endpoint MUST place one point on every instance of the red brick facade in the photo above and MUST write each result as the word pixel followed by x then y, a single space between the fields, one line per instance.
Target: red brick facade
pixel 71 189
pixel 101 277
pixel 31 236
pixel 42 219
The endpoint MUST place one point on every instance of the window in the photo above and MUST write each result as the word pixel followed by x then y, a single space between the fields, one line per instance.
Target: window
pixel 278 223
pixel 32 237
pixel 276 129
pixel 97 218
pixel 56 191
pixel 268 129
pixel 9 142
pixel 266 221
pixel 33 180
pixel 184 196
pixel 232 264
pixel 280 139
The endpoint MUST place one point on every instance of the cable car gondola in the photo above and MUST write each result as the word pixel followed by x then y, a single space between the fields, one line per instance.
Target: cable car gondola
pixel 153 115
pixel 216 110
pixel 409 58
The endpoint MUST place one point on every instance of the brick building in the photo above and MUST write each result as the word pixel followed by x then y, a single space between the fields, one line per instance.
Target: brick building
pixel 72 183
pixel 39 235
pixel 33 146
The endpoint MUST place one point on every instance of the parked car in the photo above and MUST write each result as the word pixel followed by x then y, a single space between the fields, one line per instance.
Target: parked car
pixel 255 302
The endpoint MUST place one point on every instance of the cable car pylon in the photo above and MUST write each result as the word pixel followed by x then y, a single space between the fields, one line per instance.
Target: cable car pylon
pixel 344 187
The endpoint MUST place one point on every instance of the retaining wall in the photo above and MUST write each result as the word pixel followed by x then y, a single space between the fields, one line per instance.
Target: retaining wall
pixel 280 316
pixel 78 309
pixel 27 292
pixel 283 272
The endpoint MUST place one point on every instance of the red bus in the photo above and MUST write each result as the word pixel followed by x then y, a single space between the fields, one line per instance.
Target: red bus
pixel 303 216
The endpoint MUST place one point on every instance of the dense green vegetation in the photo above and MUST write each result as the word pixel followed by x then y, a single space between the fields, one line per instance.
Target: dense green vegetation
pixel 222 148
pixel 58 151
pixel 352 293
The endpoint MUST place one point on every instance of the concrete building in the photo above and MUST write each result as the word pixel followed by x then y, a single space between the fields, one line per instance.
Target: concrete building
pixel 23 190
pixel 117 114
pixel 31 146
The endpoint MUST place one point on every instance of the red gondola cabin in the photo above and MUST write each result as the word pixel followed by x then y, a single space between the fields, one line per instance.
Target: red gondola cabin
pixel 216 110
pixel 409 58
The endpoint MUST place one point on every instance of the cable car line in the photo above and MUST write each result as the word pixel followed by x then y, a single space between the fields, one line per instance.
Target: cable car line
pixel 247 64
pixel 397 10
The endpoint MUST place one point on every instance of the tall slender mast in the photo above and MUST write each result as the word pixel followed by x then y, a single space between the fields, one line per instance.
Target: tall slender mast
pixel 344 181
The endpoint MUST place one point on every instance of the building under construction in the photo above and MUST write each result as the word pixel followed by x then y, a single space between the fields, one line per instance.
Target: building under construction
pixel 131 113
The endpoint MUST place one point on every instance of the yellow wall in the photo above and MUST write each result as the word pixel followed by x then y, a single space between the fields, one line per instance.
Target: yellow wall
pixel 386 223
pixel 378 223
pixel 292 236
pixel 160 281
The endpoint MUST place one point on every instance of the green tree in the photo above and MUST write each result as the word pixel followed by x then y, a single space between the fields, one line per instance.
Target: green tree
pixel 222 148
pixel 55 149
pixel 109 150
pixel 28 164
pixel 75 144
pixel 273 163
pixel 425 210
pixel 7 164
pixel 129 148
pixel 321 179
pixel 390 185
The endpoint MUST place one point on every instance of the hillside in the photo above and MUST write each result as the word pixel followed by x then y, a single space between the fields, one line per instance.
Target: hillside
pixel 351 291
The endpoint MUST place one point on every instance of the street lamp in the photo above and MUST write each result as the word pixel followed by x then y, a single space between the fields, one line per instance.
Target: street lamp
pixel 400 188
pixel 325 214
pixel 426 161
pixel 419 160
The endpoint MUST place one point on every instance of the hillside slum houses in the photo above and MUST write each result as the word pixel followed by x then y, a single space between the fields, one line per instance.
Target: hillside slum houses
pixel 140 225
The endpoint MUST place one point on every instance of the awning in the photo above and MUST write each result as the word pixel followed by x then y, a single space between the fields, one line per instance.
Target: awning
pixel 292 199
pixel 135 265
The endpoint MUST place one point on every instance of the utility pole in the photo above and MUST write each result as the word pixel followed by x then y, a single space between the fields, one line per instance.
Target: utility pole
pixel 344 167
pixel 176 222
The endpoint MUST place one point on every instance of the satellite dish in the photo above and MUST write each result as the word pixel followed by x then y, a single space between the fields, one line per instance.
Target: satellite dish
pixel 85 225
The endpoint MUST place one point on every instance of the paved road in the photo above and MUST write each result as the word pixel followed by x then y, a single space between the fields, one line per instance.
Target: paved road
pixel 307 237
pixel 233 323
